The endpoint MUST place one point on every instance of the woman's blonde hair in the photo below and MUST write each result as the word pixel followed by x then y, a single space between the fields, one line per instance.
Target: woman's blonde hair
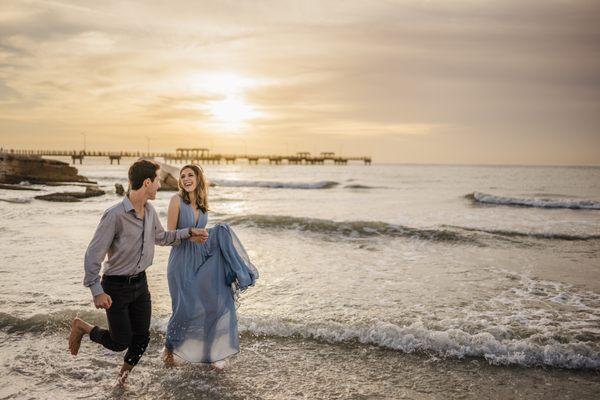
pixel 201 190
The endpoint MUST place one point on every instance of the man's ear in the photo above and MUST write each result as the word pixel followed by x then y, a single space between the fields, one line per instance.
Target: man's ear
pixel 147 182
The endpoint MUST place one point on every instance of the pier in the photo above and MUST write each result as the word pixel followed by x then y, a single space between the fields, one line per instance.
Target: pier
pixel 200 156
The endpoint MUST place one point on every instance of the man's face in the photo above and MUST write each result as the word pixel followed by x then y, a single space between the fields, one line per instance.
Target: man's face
pixel 152 187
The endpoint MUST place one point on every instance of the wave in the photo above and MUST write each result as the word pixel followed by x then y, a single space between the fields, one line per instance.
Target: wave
pixel 117 178
pixel 416 337
pixel 47 322
pixel 361 187
pixel 225 199
pixel 534 202
pixel 351 229
pixel 534 235
pixel 454 343
pixel 366 229
pixel 274 184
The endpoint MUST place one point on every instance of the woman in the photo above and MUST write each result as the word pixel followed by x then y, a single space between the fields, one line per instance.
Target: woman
pixel 204 278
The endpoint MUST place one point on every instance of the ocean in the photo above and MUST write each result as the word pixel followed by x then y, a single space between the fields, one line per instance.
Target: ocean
pixel 377 282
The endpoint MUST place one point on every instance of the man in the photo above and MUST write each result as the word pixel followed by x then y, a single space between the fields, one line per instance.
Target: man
pixel 127 232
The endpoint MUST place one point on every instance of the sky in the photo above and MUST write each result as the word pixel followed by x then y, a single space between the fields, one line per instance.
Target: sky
pixel 402 81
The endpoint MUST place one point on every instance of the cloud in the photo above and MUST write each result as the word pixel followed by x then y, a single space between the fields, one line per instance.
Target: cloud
pixel 463 69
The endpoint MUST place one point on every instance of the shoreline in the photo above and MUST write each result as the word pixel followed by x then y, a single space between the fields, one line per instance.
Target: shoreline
pixel 312 368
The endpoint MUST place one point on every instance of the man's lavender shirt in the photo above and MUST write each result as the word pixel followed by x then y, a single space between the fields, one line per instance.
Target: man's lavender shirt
pixel 119 234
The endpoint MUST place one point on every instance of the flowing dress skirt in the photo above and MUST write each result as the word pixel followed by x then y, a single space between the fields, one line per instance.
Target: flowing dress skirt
pixel 203 326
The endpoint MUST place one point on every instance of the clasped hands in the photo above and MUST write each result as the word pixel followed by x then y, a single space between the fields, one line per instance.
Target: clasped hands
pixel 199 235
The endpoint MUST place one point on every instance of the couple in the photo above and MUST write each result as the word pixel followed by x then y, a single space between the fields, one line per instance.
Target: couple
pixel 206 270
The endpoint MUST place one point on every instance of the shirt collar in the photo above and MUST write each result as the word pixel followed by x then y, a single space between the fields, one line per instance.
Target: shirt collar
pixel 127 204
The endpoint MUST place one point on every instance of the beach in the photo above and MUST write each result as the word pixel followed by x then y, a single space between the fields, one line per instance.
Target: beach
pixel 377 282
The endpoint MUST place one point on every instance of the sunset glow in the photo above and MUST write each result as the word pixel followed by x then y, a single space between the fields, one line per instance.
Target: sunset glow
pixel 494 82
pixel 231 113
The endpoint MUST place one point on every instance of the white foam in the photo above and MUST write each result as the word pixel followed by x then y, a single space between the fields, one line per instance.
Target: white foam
pixel 537 202
pixel 448 343
pixel 416 337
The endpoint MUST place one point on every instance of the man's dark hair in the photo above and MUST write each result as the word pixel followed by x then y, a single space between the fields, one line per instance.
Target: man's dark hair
pixel 140 171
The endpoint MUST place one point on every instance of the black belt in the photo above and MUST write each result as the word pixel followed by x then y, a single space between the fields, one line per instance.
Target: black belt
pixel 125 278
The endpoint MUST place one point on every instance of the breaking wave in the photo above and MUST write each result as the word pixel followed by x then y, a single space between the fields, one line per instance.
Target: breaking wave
pixel 16 200
pixel 534 202
pixel 357 186
pixel 275 184
pixel 533 235
pixel 352 229
pixel 366 229
pixel 416 337
pixel 454 343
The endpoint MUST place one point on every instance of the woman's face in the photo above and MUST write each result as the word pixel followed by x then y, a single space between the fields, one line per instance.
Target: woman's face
pixel 189 180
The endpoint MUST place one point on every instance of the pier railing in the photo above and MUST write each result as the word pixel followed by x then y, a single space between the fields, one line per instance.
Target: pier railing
pixel 197 156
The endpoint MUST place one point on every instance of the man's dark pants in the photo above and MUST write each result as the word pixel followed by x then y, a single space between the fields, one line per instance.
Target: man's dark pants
pixel 128 316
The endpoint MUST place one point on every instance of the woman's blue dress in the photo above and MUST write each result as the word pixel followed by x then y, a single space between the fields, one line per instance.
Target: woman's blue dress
pixel 203 327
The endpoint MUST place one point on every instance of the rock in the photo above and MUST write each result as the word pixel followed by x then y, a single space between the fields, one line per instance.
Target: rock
pixel 168 177
pixel 15 168
pixel 92 191
pixel 60 197
pixel 17 187
pixel 72 196
pixel 119 190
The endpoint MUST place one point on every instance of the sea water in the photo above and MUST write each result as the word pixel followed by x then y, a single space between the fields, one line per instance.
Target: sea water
pixel 381 281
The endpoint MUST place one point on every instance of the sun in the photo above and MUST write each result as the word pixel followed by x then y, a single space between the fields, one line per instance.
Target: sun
pixel 230 112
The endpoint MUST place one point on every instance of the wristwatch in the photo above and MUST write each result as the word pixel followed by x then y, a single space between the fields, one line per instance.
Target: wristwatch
pixel 190 231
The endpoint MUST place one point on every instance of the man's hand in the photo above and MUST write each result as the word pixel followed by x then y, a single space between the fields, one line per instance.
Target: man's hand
pixel 199 235
pixel 102 301
pixel 199 232
pixel 198 239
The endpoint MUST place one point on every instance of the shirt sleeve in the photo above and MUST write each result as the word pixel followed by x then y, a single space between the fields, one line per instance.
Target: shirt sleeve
pixel 168 238
pixel 96 252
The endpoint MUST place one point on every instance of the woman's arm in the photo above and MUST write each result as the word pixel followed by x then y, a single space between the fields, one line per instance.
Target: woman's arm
pixel 173 213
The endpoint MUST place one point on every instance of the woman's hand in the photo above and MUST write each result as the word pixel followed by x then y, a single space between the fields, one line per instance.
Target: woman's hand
pixel 199 235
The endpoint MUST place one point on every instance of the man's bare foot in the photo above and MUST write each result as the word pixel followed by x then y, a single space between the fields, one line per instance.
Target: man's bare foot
pixel 168 358
pixel 122 378
pixel 78 329
pixel 124 373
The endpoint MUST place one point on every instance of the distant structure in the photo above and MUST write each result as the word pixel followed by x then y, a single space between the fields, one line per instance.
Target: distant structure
pixel 192 154
pixel 200 155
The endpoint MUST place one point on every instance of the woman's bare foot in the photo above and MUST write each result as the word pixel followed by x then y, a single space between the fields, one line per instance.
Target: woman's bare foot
pixel 218 365
pixel 78 329
pixel 168 358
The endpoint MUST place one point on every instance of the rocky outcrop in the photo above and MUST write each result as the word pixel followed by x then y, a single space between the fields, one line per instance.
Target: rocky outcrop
pixel 168 177
pixel 15 168
pixel 18 187
pixel 72 196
